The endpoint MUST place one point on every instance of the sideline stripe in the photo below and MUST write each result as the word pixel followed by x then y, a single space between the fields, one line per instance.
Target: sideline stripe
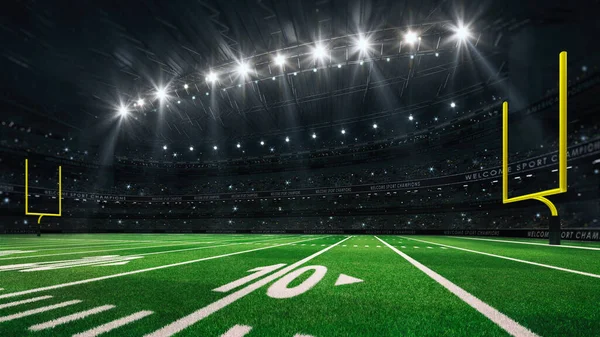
pixel 503 321
pixel 38 310
pixel 514 259
pixel 202 313
pixel 237 331
pixel 114 324
pixel 118 249
pixel 528 243
pixel 101 278
pixel 35 299
pixel 66 319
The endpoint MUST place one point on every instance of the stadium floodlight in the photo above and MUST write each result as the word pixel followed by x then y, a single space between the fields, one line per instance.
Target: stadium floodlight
pixel 191 148
pixel 319 51
pixel 437 54
pixel 279 60
pixel 363 44
pixel 161 93
pixel 140 102
pixel 215 148
pixel 435 119
pixel 287 139
pixel 272 149
pixel 123 111
pixel 410 118
pixel 343 131
pixel 462 32
pixel 410 37
pixel 453 105
pixel 185 86
pixel 243 69
pixel 374 125
pixel 211 78
pixel 314 135
pixel 238 145
pixel 164 147
pixel 174 154
pixel 339 65
pixel 262 143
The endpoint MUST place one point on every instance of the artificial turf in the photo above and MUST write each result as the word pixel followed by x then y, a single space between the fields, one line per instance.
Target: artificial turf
pixel 174 276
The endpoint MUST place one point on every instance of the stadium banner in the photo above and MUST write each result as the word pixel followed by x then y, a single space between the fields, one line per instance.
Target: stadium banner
pixel 575 153
pixel 577 234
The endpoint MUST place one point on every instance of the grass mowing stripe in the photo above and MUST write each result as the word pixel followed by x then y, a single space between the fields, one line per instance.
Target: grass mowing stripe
pixel 73 317
pixel 527 243
pixel 38 310
pixel 202 313
pixel 510 258
pixel 30 300
pixel 114 324
pixel 237 331
pixel 503 321
pixel 111 250
pixel 57 286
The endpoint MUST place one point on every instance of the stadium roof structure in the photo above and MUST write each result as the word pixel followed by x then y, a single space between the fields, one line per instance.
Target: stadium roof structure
pixel 307 65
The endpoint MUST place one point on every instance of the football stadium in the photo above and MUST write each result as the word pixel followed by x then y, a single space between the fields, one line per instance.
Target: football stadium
pixel 300 168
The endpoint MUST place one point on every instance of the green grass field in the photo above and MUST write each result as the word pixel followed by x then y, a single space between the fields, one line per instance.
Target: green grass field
pixel 296 285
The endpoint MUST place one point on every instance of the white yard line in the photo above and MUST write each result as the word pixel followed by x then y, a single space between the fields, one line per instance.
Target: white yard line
pixel 113 250
pixel 512 259
pixel 202 313
pixel 237 331
pixel 106 277
pixel 66 246
pixel 98 241
pixel 528 243
pixel 37 311
pixel 66 319
pixel 30 300
pixel 114 324
pixel 503 321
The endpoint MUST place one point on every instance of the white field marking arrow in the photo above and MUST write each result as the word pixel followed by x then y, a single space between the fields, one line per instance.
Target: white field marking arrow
pixel 345 279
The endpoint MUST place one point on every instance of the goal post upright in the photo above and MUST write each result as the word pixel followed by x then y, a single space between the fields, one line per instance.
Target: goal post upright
pixel 554 222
